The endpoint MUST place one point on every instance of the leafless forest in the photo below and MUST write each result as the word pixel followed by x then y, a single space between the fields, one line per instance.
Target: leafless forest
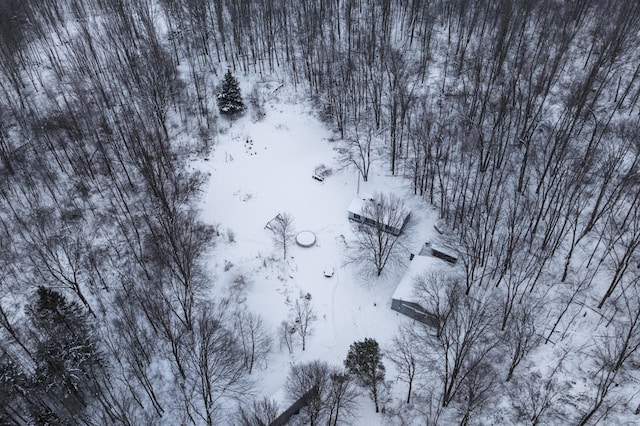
pixel 519 120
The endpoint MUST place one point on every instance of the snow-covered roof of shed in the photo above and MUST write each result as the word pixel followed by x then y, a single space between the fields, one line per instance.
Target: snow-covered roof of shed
pixel 418 266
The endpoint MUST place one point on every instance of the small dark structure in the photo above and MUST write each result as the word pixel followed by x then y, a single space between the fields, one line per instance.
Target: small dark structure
pixel 321 172
pixel 303 401
pixel 444 254
pixel 277 218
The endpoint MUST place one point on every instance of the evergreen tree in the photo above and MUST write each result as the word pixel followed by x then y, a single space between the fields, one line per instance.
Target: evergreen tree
pixel 13 385
pixel 364 361
pixel 230 98
pixel 66 358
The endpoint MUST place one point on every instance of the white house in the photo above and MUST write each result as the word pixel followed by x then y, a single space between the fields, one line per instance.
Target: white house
pixel 358 207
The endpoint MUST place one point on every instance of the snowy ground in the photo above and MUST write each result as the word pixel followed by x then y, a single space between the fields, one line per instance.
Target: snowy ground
pixel 260 169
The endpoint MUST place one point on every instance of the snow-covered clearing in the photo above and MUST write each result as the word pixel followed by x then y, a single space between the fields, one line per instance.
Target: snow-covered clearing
pixel 258 170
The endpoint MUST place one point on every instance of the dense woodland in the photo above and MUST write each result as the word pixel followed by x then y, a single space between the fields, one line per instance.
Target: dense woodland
pixel 519 120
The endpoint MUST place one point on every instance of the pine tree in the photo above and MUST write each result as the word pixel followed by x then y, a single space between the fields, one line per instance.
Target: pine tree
pixel 13 384
pixel 364 361
pixel 66 357
pixel 230 99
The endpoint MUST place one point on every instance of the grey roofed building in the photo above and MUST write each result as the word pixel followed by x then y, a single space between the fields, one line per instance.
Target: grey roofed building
pixel 404 299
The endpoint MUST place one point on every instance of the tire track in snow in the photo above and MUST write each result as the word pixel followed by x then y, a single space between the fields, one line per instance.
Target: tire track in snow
pixel 336 283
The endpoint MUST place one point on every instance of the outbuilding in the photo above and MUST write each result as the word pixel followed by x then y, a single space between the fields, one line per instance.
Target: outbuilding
pixel 404 299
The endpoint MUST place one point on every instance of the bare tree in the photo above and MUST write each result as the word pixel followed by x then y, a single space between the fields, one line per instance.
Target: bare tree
pixel 287 332
pixel 61 258
pixel 283 232
pixel 312 380
pixel 382 234
pixel 175 248
pixel 341 397
pixel 521 335
pixel 430 407
pixel 132 346
pixel 215 368
pixel 331 392
pixel 570 297
pixel 613 350
pixel 262 412
pixel 538 398
pixel 257 102
pixel 254 339
pixel 404 354
pixel 356 149
pixel 399 103
pixel 478 388
pixel 303 316
pixel 9 324
pixel 465 336
pixel 623 243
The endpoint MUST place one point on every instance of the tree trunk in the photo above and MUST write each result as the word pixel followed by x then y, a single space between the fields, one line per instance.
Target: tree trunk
pixel 375 397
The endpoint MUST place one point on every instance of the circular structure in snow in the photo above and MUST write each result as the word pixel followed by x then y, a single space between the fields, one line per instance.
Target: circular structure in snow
pixel 306 238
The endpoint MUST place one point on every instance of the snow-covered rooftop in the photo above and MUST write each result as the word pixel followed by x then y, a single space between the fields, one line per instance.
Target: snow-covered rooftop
pixel 418 266
pixel 357 204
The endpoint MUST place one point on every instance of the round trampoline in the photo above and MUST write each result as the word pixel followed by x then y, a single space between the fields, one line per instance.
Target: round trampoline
pixel 306 239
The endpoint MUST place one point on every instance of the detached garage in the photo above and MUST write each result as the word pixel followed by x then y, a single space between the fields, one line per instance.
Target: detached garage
pixel 404 299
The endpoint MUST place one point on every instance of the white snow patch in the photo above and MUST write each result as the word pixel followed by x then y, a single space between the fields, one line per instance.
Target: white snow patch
pixel 260 169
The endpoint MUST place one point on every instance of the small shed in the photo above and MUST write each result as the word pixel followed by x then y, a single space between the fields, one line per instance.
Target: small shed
pixel 446 254
pixel 356 210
